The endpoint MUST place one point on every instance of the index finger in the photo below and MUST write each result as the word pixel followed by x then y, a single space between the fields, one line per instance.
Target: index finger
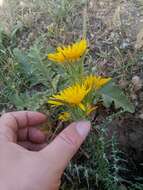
pixel 10 122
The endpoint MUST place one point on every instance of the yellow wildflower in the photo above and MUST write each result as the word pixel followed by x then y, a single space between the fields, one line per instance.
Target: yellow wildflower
pixel 72 95
pixel 69 53
pixel 95 82
pixel 64 116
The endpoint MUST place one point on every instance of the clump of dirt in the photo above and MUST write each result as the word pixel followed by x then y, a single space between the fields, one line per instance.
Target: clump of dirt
pixel 129 131
pixel 129 128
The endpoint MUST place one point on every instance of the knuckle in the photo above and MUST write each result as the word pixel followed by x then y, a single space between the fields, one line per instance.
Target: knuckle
pixel 5 115
pixel 68 140
pixel 8 121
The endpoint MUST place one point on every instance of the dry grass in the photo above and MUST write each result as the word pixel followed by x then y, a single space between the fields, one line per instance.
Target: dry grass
pixel 113 29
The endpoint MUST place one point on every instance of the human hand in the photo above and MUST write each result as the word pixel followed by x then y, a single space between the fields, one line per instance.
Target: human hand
pixel 21 169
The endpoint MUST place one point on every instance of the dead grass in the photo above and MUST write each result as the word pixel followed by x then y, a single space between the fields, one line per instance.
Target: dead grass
pixel 113 29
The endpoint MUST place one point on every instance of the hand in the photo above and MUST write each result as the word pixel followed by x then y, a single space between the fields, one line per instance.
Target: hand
pixel 21 169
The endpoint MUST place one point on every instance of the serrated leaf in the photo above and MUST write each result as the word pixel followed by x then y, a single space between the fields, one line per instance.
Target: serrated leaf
pixel 24 100
pixel 23 60
pixel 111 93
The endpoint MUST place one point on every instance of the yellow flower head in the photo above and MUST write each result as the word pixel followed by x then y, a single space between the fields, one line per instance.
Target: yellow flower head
pixel 69 53
pixel 72 96
pixel 64 116
pixel 95 82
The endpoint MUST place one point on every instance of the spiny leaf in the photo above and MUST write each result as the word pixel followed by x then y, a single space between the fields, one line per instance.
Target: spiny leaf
pixel 22 59
pixel 33 102
pixel 111 93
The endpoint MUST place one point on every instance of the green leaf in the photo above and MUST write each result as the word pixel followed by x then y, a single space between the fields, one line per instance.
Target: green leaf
pixel 22 59
pixel 111 93
pixel 33 102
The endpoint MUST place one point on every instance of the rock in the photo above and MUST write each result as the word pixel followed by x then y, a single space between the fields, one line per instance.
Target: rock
pixel 141 116
pixel 123 187
pixel 134 97
pixel 141 96
pixel 23 4
pixel 137 83
pixel 125 44
pixel 1 3
pixel 123 83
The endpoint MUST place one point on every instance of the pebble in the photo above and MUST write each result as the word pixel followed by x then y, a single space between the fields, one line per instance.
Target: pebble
pixel 123 83
pixel 141 116
pixel 22 4
pixel 141 97
pixel 137 83
pixel 134 97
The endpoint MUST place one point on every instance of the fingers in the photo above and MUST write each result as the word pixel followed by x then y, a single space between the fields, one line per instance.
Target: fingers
pixel 32 146
pixel 32 139
pixel 66 144
pixel 31 134
pixel 10 122
pixel 21 119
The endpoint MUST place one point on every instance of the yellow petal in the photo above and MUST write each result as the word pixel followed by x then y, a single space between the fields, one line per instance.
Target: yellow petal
pixel 54 103
pixel 70 53
pixel 65 116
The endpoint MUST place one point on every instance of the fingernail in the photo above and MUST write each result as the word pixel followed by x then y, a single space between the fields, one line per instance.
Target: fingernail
pixel 83 128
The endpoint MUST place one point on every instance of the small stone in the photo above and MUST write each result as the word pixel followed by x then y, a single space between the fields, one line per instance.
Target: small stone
pixel 123 83
pixel 101 3
pixel 122 187
pixel 137 83
pixel 141 96
pixel 125 43
pixel 134 97
pixel 141 116
pixel 22 4
pixel 1 3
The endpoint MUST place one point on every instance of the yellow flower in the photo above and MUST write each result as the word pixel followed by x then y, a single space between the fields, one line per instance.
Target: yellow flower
pixel 72 96
pixel 95 82
pixel 64 116
pixel 69 53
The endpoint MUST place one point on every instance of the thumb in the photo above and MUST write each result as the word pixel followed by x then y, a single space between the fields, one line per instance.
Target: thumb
pixel 66 144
